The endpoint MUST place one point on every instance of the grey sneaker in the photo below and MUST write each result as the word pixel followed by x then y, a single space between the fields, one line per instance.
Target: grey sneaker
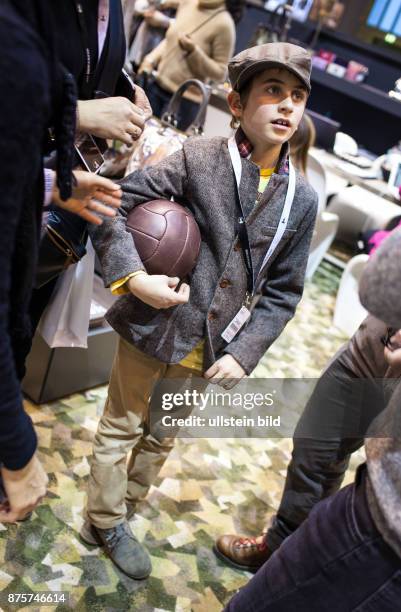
pixel 121 546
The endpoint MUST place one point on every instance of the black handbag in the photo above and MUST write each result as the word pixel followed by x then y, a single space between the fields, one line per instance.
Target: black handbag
pixel 62 243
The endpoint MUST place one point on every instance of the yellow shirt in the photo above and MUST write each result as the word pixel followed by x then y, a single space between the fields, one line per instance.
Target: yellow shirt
pixel 194 359
pixel 265 174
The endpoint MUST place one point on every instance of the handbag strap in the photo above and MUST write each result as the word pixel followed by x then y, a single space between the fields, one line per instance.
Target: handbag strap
pixel 198 27
pixel 170 115
pixel 222 10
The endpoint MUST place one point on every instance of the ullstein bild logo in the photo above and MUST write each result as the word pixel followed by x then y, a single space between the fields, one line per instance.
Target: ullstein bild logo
pixel 221 421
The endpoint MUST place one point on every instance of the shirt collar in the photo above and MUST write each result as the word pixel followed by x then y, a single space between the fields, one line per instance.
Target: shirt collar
pixel 245 148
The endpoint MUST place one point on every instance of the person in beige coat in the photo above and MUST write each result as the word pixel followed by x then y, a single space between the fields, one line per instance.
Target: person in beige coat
pixel 198 45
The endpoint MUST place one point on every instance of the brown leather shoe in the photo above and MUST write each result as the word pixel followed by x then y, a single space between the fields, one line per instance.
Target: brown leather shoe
pixel 241 552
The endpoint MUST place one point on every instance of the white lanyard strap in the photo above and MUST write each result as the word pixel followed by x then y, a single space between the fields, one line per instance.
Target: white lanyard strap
pixel 235 160
pixel 289 198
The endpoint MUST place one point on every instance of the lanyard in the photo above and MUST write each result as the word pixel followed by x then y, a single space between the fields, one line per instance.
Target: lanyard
pixel 103 22
pixel 242 230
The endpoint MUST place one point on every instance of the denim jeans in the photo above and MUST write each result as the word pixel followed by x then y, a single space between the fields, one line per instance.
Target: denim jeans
pixel 331 428
pixel 159 99
pixel 336 561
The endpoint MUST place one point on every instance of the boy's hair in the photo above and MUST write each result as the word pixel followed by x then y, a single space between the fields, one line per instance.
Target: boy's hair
pixel 243 95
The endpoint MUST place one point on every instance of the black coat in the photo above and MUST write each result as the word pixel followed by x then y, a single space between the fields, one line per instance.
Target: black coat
pixel 24 115
pixel 106 77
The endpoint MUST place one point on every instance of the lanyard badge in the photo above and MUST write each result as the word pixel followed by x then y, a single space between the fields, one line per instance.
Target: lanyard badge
pixel 244 312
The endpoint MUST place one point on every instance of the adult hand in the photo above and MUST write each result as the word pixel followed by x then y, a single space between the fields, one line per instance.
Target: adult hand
pixel 25 489
pixel 393 353
pixel 225 372
pixel 186 43
pixel 116 118
pixel 145 66
pixel 141 100
pixel 157 290
pixel 156 19
pixel 91 196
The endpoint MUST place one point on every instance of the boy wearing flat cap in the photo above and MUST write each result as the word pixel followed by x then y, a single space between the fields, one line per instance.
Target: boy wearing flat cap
pixel 256 217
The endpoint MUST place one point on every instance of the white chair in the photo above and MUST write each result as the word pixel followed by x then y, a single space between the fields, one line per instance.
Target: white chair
pixel 334 183
pixel 349 312
pixel 316 177
pixel 323 236
pixel 360 210
pixel 326 223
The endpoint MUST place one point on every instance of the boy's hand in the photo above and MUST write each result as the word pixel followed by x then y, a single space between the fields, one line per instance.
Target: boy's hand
pixel 157 290
pixel 226 372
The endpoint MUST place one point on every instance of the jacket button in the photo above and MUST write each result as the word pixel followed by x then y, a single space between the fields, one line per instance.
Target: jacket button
pixel 211 316
pixel 237 246
pixel 224 283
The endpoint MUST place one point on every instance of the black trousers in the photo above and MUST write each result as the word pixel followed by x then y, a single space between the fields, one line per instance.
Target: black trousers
pixel 331 428
pixel 337 561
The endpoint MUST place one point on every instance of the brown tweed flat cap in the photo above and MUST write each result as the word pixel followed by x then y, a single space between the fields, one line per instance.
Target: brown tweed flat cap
pixel 271 55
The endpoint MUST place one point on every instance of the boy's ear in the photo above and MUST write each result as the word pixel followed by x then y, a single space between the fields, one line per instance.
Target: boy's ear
pixel 234 102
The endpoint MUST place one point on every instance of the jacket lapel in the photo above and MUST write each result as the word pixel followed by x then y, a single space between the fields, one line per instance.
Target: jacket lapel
pixel 272 201
pixel 248 189
pixel 249 186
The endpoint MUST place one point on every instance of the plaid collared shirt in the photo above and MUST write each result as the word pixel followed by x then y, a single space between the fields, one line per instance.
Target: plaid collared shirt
pixel 245 148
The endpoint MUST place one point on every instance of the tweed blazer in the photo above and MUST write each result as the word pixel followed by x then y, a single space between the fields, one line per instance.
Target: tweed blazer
pixel 200 177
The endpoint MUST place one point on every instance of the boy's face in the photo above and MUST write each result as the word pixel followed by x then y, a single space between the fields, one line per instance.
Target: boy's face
pixel 274 108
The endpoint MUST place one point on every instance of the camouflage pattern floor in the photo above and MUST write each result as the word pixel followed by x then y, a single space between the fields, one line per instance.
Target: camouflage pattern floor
pixel 206 488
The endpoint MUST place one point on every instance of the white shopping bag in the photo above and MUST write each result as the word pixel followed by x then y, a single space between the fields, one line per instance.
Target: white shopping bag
pixel 65 322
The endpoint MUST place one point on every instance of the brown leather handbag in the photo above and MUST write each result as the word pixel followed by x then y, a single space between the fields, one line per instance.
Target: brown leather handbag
pixel 160 137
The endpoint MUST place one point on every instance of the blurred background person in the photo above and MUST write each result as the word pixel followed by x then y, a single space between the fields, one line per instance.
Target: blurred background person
pixel 36 92
pixel 197 45
pixel 152 21
pixel 300 143
pixel 128 12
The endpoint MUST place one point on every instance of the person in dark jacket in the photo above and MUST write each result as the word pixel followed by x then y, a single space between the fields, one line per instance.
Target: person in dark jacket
pixel 347 398
pixel 35 91
pixel 347 554
pixel 91 46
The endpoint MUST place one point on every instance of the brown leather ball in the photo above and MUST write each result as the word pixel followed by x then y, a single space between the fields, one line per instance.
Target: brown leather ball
pixel 166 237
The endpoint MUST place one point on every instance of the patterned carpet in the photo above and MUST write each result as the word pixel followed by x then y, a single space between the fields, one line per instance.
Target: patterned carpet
pixel 206 488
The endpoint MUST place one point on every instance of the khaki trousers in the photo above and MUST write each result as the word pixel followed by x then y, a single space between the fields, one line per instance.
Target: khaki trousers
pixel 135 382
